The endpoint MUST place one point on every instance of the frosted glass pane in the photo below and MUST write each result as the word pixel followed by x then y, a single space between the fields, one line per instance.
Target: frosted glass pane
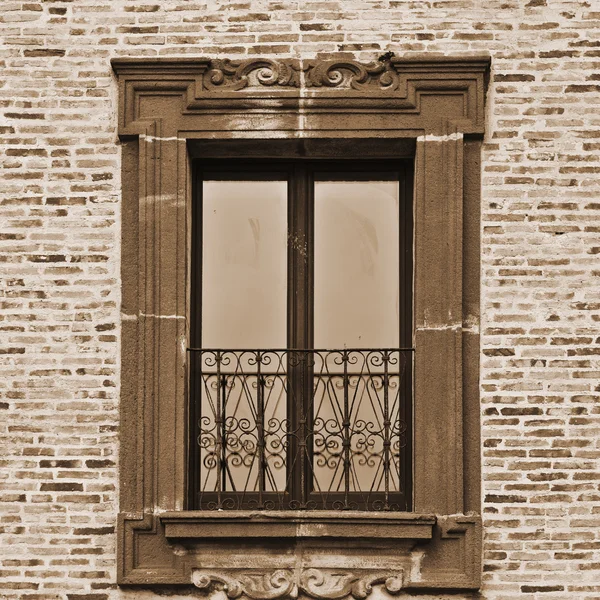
pixel 356 264
pixel 244 264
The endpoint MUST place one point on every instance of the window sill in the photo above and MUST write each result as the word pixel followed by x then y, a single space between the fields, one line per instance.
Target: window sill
pixel 297 524
pixel 288 552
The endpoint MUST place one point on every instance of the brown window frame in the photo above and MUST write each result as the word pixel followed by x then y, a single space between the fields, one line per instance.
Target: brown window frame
pixel 428 108
pixel 301 174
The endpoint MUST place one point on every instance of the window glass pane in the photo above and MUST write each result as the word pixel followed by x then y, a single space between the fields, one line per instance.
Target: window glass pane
pixel 244 305
pixel 244 264
pixel 356 264
pixel 356 306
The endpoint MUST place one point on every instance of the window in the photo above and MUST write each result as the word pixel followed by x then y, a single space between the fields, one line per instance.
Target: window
pixel 301 358
pixel 175 114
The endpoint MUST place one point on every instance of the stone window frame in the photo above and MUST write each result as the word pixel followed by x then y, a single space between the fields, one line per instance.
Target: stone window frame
pixel 430 108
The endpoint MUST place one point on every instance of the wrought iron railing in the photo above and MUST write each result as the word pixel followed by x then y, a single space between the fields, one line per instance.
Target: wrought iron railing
pixel 300 429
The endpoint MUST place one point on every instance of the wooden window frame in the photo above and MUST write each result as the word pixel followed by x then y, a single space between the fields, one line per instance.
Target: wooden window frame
pixel 301 175
pixel 430 109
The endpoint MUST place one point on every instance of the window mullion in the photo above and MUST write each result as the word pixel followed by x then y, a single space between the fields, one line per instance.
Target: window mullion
pixel 300 243
pixel 300 330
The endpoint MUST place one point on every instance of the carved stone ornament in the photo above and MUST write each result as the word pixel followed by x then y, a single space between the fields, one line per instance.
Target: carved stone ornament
pixel 322 584
pixel 229 75
pixel 233 75
pixel 351 74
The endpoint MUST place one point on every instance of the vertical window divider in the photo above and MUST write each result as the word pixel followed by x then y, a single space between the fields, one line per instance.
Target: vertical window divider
pixel 300 330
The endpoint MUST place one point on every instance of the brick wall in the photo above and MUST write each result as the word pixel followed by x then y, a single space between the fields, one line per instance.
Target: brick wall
pixel 60 288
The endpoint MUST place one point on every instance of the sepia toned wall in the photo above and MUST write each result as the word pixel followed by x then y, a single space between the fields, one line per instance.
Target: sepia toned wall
pixel 60 274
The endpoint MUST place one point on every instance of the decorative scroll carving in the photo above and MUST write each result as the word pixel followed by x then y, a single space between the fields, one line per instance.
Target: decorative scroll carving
pixel 322 584
pixel 332 585
pixel 232 587
pixel 233 75
pixel 352 75
pixel 230 76
pixel 253 584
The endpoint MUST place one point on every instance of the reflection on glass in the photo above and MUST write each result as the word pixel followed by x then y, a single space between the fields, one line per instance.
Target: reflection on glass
pixel 244 264
pixel 356 264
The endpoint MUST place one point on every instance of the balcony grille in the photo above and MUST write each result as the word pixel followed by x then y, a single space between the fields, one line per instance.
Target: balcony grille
pixel 300 429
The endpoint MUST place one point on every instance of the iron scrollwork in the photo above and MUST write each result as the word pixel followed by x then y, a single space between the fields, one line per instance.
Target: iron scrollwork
pixel 300 429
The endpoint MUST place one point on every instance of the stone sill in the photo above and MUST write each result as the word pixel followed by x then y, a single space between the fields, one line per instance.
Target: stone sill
pixel 297 524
